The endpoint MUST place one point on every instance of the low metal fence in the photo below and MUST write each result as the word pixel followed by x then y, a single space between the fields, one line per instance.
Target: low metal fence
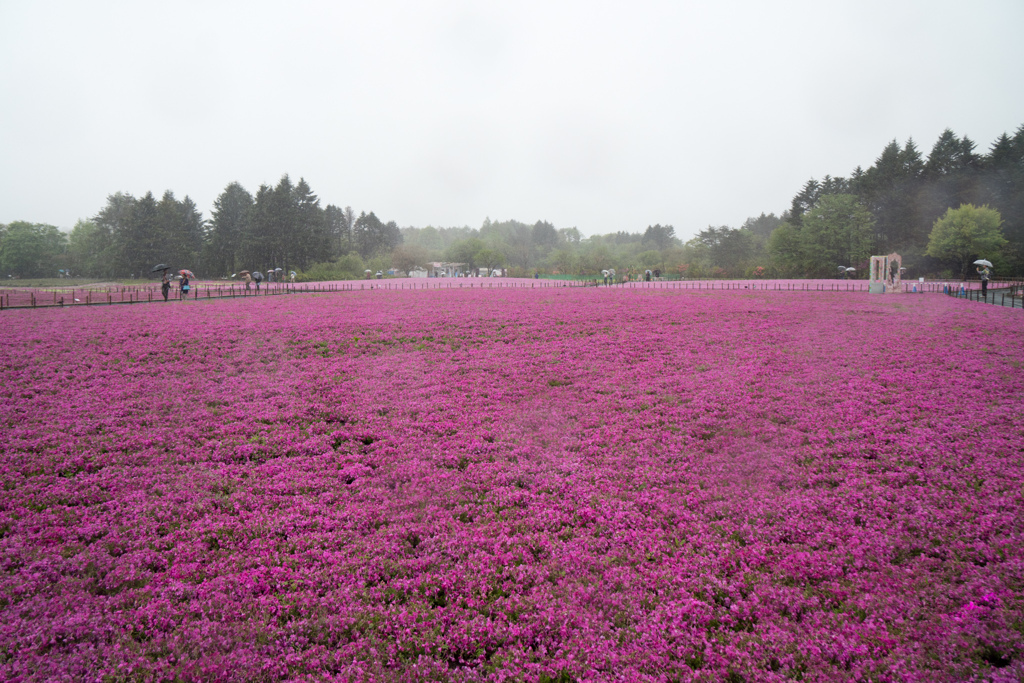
pixel 13 298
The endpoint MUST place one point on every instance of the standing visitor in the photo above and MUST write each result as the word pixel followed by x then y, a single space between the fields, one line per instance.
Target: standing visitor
pixel 248 281
pixel 184 287
pixel 985 273
pixel 165 286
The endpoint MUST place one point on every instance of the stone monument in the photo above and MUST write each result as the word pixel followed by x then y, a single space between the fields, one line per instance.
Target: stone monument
pixel 886 274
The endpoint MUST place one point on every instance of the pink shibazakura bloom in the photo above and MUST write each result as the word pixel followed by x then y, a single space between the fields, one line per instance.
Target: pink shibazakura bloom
pixel 514 484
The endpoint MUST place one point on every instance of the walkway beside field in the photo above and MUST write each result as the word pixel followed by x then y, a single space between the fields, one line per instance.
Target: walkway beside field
pixel 1011 297
pixel 14 297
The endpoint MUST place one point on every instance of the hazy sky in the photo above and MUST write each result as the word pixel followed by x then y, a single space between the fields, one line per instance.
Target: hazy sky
pixel 601 115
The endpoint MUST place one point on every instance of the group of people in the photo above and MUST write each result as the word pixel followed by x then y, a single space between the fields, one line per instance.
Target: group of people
pixel 272 276
pixel 183 286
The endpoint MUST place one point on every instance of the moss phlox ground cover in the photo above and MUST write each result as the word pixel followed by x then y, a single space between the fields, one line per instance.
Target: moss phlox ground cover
pixel 536 485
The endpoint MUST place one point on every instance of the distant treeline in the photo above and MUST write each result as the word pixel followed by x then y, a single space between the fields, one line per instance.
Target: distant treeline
pixel 831 223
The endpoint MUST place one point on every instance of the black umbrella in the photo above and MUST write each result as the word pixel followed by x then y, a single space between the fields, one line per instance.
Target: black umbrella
pixel 160 266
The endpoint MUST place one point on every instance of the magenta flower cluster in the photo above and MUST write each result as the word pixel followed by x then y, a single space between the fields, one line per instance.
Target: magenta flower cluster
pixel 591 484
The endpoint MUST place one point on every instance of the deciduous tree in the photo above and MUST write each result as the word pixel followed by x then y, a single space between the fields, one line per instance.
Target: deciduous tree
pixel 31 249
pixel 965 234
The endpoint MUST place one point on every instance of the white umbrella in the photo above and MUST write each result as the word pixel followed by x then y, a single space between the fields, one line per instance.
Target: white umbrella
pixel 983 262
pixel 850 270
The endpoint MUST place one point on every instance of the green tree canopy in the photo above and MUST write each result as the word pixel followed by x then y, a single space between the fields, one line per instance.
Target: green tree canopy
pixel 232 215
pixel 466 251
pixel 91 250
pixel 838 231
pixel 785 250
pixel 659 237
pixel 963 235
pixel 31 249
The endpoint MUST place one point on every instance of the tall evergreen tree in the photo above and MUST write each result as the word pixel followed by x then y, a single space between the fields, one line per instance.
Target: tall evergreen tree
pixel 192 234
pixel 339 230
pixel 180 232
pixel 804 200
pixel 544 235
pixel 659 237
pixel 836 232
pixel 889 191
pixel 229 228
pixel 310 238
pixel 763 225
pixel 143 245
pixel 256 244
pixel 366 234
pixel 116 220
pixel 951 175
pixel 285 238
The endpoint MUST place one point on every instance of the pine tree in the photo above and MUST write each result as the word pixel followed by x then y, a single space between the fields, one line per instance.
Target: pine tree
pixel 192 234
pixel 144 243
pixel 804 200
pixel 180 232
pixel 888 189
pixel 367 234
pixel 951 175
pixel 285 239
pixel 255 246
pixel 115 220
pixel 310 228
pixel 339 231
pixel 230 226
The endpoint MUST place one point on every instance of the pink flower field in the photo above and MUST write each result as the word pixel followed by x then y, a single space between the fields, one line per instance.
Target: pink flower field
pixel 577 484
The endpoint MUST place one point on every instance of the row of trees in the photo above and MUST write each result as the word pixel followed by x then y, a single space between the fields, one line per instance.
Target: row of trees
pixel 285 227
pixel 838 221
pixel 905 194
pixel 281 226
pixel 894 205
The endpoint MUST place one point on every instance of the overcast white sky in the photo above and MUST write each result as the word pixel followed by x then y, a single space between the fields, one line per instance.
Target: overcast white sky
pixel 601 115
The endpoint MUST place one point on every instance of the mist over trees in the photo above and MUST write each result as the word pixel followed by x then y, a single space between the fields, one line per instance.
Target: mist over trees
pixel 894 205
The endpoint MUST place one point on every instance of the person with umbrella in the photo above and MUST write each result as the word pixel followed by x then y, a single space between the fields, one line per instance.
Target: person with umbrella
pixel 185 286
pixel 984 273
pixel 246 277
pixel 165 284
pixel 258 277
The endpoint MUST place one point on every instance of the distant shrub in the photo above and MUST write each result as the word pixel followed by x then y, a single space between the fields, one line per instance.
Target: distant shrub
pixel 349 267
